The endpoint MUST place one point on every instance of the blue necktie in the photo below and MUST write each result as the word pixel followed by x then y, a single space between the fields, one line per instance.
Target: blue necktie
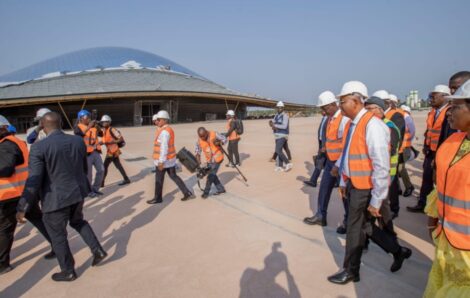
pixel 345 151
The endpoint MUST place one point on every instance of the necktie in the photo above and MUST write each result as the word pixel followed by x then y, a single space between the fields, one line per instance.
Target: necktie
pixel 345 149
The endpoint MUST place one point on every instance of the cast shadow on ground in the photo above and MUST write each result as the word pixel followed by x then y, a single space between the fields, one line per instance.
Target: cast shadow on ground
pixel 262 283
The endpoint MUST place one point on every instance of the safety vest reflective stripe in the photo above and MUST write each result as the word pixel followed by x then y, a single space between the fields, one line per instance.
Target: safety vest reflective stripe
pixel 358 156
pixel 434 128
pixel 453 187
pixel 333 144
pixel 171 153
pixel 360 173
pixel 13 186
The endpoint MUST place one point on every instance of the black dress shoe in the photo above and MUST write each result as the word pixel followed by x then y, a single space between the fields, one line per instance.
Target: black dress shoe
pixel 154 201
pixel 99 193
pixel 310 183
pixel 408 192
pixel 50 255
pixel 5 269
pixel 343 277
pixel 394 215
pixel 188 196
pixel 219 192
pixel 124 182
pixel 64 276
pixel 415 209
pixel 315 220
pixel 400 192
pixel 399 258
pixel 341 230
pixel 205 195
pixel 98 256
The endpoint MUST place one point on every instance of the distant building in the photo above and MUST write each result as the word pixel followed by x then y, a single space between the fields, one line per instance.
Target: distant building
pixel 412 100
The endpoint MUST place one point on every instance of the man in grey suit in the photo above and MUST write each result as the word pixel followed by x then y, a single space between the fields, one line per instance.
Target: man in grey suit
pixel 58 171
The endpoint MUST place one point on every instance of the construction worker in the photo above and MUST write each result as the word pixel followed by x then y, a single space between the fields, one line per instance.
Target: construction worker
pixel 36 132
pixel 407 151
pixel 280 127
pixel 209 145
pixel 164 158
pixel 13 175
pixel 364 170
pixel 233 139
pixel 434 124
pixel 332 147
pixel 112 138
pixel 395 115
pixel 90 132
pixel 448 208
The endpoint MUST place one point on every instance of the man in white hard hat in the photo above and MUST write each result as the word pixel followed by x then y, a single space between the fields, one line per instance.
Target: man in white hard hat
pixel 164 158
pixel 233 137
pixel 280 127
pixel 364 171
pixel 113 140
pixel 434 124
pixel 332 148
pixel 36 133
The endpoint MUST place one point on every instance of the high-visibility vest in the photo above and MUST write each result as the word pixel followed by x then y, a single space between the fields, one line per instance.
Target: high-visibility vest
pixel 233 135
pixel 108 139
pixel 13 186
pixel 90 138
pixel 171 153
pixel 389 116
pixel 211 151
pixel 394 157
pixel 453 186
pixel 360 165
pixel 434 128
pixel 407 139
pixel 334 145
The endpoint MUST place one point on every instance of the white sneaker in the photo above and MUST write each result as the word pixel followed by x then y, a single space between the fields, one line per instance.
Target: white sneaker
pixel 288 167
pixel 278 169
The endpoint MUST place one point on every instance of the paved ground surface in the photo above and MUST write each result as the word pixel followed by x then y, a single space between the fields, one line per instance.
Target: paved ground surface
pixel 250 242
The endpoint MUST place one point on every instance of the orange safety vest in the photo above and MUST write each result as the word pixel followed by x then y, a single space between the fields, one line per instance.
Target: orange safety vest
pixel 434 128
pixel 407 140
pixel 233 135
pixel 90 138
pixel 108 139
pixel 389 116
pixel 171 153
pixel 360 165
pixel 334 145
pixel 453 186
pixel 211 151
pixel 13 186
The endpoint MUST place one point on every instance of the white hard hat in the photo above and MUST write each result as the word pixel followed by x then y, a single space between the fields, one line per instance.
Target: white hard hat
pixel 441 89
pixel 105 118
pixel 382 94
pixel 280 104
pixel 353 87
pixel 4 121
pixel 41 112
pixel 230 113
pixel 161 115
pixel 325 98
pixel 462 92
pixel 393 97
pixel 406 108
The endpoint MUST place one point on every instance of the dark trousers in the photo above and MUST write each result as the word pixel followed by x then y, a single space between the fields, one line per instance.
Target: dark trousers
pixel 56 225
pixel 160 178
pixel 327 185
pixel 233 154
pixel 402 171
pixel 427 183
pixel 393 195
pixel 117 163
pixel 381 230
pixel 286 149
pixel 281 157
pixel 315 175
pixel 360 224
pixel 213 179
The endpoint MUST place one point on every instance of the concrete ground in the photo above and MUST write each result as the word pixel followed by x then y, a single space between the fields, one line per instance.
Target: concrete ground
pixel 250 242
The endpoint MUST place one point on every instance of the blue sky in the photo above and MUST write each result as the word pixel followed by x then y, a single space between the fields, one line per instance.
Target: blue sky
pixel 290 50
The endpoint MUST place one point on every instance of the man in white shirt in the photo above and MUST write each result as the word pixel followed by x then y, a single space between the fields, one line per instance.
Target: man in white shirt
pixel 364 170
pixel 164 158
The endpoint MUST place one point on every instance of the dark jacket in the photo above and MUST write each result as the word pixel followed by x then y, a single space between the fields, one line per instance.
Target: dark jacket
pixel 446 131
pixel 399 122
pixel 58 170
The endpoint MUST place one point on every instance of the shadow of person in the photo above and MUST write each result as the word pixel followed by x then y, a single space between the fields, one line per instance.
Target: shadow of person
pixel 262 283
pixel 244 156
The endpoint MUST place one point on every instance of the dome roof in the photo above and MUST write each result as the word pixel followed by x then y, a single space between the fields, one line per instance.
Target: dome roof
pixel 92 59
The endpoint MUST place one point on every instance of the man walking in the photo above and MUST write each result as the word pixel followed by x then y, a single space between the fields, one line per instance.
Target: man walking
pixel 280 126
pixel 90 132
pixel 36 133
pixel 233 139
pixel 57 170
pixel 164 158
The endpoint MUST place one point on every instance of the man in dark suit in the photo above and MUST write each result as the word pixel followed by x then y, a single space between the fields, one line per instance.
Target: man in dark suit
pixel 58 170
